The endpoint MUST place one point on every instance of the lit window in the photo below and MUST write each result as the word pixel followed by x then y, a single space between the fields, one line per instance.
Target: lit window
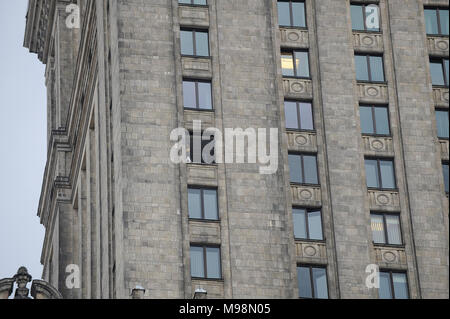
pixel 295 64
pixel 386 229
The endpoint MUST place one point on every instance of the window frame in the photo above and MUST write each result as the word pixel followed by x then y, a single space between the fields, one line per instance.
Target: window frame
pixel 194 42
pixel 374 121
pixel 291 15
pixel 369 69
pixel 297 104
pixel 438 17
pixel 440 60
pixel 378 160
pixel 202 203
pixel 391 281
pixel 311 278
pixel 197 96
pixel 301 154
pixel 192 4
pixel 205 262
pixel 386 237
pixel 308 210
pixel 364 5
pixel 292 54
pixel 191 149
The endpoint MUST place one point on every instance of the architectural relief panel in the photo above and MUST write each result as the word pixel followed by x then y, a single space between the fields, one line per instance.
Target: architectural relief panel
pixel 310 196
pixel 390 257
pixel 201 174
pixel 437 46
pixel 196 67
pixel 294 38
pixel 297 88
pixel 374 145
pixel 302 141
pixel 440 96
pixel 373 92
pixel 194 16
pixel 368 42
pixel 206 117
pixel 311 251
pixel 213 288
pixel 384 200
pixel 444 149
pixel 206 232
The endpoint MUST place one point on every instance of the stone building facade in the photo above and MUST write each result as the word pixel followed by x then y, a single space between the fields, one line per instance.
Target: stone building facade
pixel 114 205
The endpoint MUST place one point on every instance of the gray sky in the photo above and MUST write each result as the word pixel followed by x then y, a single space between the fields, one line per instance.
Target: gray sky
pixel 22 144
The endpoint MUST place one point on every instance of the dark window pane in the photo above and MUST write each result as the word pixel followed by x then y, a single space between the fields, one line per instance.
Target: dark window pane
pixel 306 117
pixel 442 124
pixel 400 286
pixel 204 96
pixel 287 64
pixel 213 263
pixel 431 24
pixel 187 44
pixel 299 223
pixel 310 164
pixel 304 282
pixel 377 226
pixel 443 17
pixel 315 225
pixel 393 230
pixel 365 113
pixel 210 203
pixel 357 17
pixel 372 173
pixel 189 94
pixel 387 174
pixel 202 44
pixel 320 283
pixel 376 68
pixel 290 111
pixel 302 64
pixel 385 286
pixel 284 16
pixel 382 120
pixel 200 2
pixel 295 169
pixel 362 73
pixel 445 172
pixel 197 263
pixel 446 71
pixel 298 13
pixel 194 203
pixel 372 18
pixel 437 74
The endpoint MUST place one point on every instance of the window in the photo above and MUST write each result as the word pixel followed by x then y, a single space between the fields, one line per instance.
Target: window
pixel 442 123
pixel 295 64
pixel 202 203
pixel 445 172
pixel 386 229
pixel 303 169
pixel 194 2
pixel 194 42
pixel 439 71
pixel 374 120
pixel 369 68
pixel 307 224
pixel 380 174
pixel 299 115
pixel 365 17
pixel 205 262
pixel 202 149
pixel 393 285
pixel 436 21
pixel 291 13
pixel 312 282
pixel 197 95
